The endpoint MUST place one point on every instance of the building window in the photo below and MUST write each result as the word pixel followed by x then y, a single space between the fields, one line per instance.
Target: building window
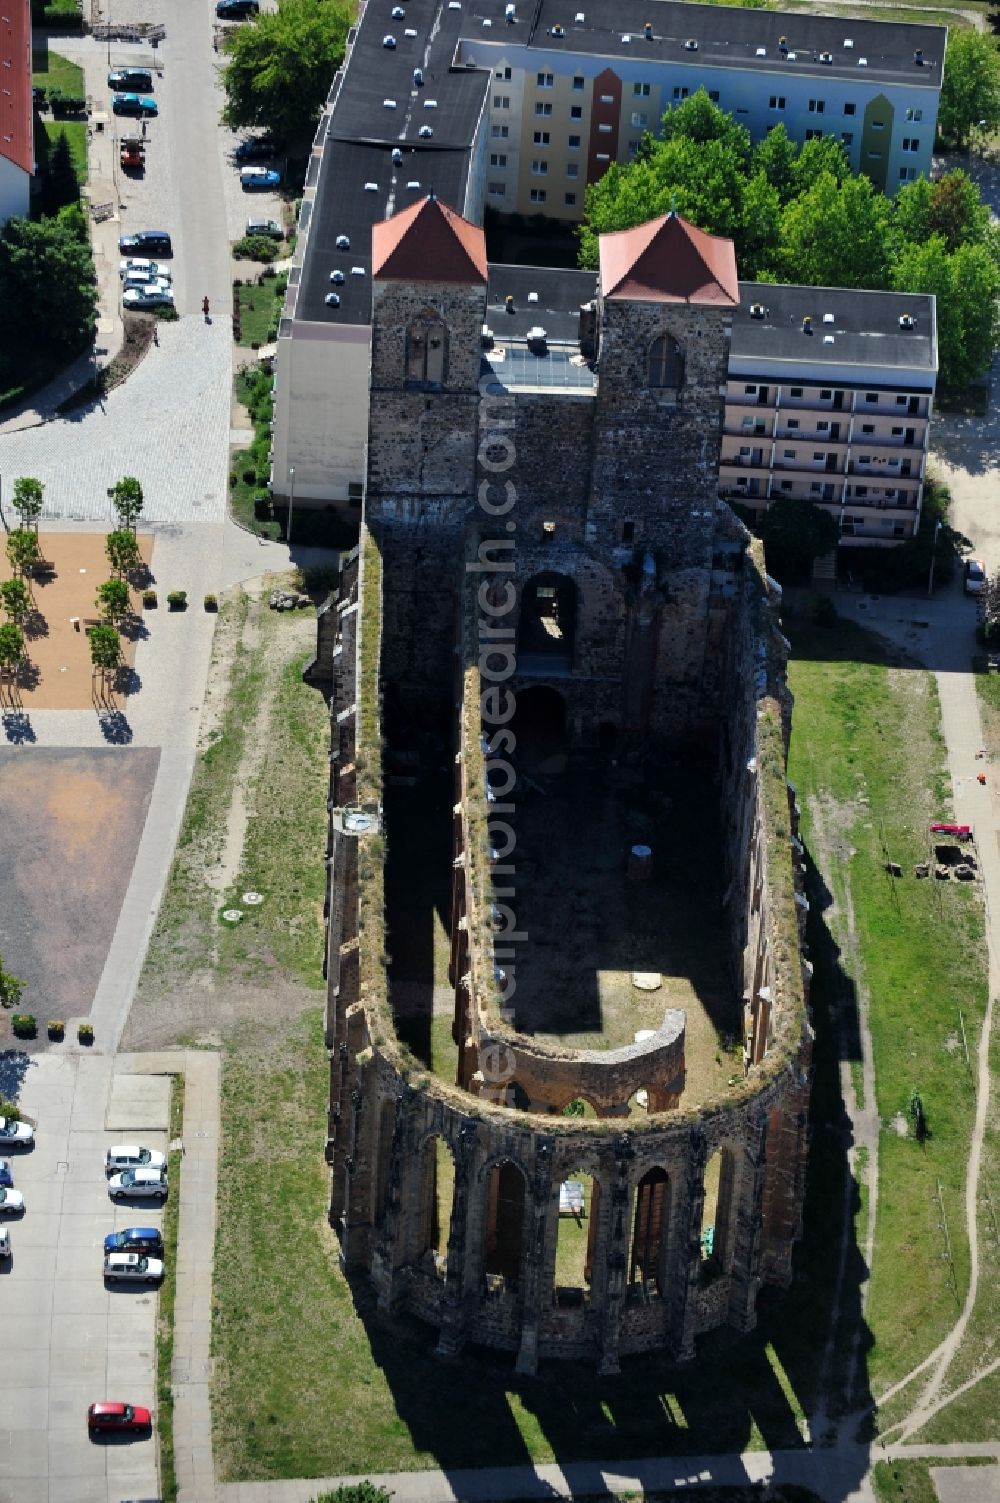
pixel 817 106
pixel 498 159
pixel 911 143
pixel 501 101
pixel 819 457
pixel 878 125
pixel 814 135
pixel 576 112
pixel 539 168
pixel 792 423
pixel 574 143
pixel 788 453
pixel 426 350
pixel 795 391
pixel 871 396
pixel 504 74
pixel 499 132
pixel 573 169
pixel 860 490
pixel 750 391
pixel 569 199
pixel 713 95
pixel 847 137
pixel 545 80
pixel 786 485
pixel 914 114
pixel 680 93
pixel 578 83
pixel 665 366
pixel 826 396
pixel 537 195
pixel 907 174
pixel 869 428
pixel 639 120
pixel 604 130
pixel 543 109
pixel 776 102
pixel 901 401
pixel 896 432
pixel 864 459
pixel 541 138
pixel 607 99
pixel 633 147
pixel 498 190
pixel 815 488
pixel 602 156
pixel 642 90
pixel 850 109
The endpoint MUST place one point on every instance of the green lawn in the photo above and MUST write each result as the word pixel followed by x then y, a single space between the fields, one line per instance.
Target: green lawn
pixel 260 304
pixel 49 70
pixel 168 1295
pixel 75 132
pixel 868 761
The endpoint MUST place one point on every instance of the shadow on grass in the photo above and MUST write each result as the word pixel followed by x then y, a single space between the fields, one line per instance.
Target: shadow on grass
pixel 806 1360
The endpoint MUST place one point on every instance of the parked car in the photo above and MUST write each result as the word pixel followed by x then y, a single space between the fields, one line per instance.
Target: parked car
pixel 255 148
pixel 236 10
pixel 256 178
pixel 143 279
pixel 134 104
pixel 957 832
pixel 4 1242
pixel 130 265
pixel 137 79
pixel 140 1239
pixel 269 227
pixel 974 576
pixel 133 1266
pixel 11 1201
pixel 146 242
pixel 160 296
pixel 15 1134
pixel 6 1174
pixel 143 1184
pixel 133 1156
pixel 127 1418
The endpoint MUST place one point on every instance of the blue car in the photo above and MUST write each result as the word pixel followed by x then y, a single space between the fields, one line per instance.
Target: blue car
pixel 6 1175
pixel 137 1239
pixel 133 104
pixel 252 178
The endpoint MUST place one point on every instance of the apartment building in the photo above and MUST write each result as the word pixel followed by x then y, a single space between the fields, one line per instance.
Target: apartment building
pixel 829 399
pixel 17 145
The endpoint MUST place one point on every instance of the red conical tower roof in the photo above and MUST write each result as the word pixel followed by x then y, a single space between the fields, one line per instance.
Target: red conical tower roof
pixel 669 261
pixel 428 242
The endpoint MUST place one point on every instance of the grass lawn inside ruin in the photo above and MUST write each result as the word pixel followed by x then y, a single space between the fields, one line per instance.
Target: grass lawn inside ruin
pixel 868 762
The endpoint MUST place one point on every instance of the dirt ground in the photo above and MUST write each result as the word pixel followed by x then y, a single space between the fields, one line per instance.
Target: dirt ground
pixel 71 826
pixel 57 675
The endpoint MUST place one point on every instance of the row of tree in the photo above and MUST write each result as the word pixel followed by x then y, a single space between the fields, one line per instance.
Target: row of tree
pixel 48 286
pixel 796 214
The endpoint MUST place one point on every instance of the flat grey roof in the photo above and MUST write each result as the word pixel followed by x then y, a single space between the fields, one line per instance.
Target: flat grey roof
pixel 517 366
pixel 865 327
pixel 730 36
pixel 557 308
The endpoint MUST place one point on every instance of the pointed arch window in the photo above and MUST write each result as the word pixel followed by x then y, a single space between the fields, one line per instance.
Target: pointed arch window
pixel 665 364
pixel 427 350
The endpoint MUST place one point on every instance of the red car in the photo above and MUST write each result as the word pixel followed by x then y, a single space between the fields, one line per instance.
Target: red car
pixel 118 1419
pixel 957 832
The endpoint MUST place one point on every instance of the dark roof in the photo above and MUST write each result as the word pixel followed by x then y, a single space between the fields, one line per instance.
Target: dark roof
pixel 429 242
pixel 727 36
pixel 865 327
pixel 668 260
pixel 557 310
pixel 362 135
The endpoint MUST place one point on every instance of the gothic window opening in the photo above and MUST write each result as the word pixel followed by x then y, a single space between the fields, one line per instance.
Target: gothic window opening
pixel 649 1234
pixel 504 1224
pixel 437 1188
pixel 387 1124
pixel 718 1190
pixel 426 351
pixel 665 368
pixel 575 1238
pixel 546 626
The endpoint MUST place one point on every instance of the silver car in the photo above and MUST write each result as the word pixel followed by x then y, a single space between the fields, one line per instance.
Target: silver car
pixel 136 1266
pixel 142 1184
pixel 15 1133
pixel 11 1200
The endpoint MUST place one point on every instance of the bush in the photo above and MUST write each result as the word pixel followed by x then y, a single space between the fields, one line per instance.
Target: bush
pixel 85 1033
pixel 149 599
pixel 24 1024
pixel 355 1492
pixel 255 248
pixel 249 474
pixel 57 1028
pixel 211 603
pixel 262 506
pixel 177 600
pixel 67 104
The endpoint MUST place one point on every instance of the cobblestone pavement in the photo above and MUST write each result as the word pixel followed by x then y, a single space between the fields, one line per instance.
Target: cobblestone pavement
pixel 168 425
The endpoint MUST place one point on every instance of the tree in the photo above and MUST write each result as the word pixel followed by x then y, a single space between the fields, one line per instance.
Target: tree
pixel 11 988
pixel 957 213
pixel 836 235
pixel 776 156
pixel 280 66
pixel 11 647
pixel 22 549
pixel 795 533
pixel 126 498
pixel 48 287
pixel 114 600
pixel 59 181
pixel 122 551
pixel 970 91
pixel 28 500
pixel 15 597
pixel 105 649
pixel 820 155
pixel 966 284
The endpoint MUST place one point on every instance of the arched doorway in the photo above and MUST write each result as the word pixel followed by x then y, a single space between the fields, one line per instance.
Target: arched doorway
pixel 504 1224
pixel 546 625
pixel 649 1234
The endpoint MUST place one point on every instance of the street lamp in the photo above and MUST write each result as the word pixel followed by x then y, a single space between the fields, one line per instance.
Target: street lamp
pixel 930 576
pixel 291 503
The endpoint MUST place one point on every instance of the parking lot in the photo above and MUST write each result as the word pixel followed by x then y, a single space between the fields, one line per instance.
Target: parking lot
pixel 67 1339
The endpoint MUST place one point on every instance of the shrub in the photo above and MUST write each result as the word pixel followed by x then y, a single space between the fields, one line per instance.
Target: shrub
pixel 255 248
pixel 249 475
pixel 177 600
pixel 211 603
pixel 85 1033
pixel 57 1028
pixel 262 505
pixel 149 599
pixel 355 1492
pixel 24 1025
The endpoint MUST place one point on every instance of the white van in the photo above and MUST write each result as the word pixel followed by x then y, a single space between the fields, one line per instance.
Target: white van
pixel 132 1156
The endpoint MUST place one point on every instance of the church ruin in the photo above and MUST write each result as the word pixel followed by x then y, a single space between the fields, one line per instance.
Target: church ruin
pixel 567 1001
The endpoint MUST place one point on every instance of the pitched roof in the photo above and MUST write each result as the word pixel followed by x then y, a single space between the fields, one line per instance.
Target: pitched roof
pixel 669 261
pixel 16 114
pixel 428 242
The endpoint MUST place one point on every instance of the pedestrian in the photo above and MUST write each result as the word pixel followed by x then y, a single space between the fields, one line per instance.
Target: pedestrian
pixel 144 130
pixel 204 307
